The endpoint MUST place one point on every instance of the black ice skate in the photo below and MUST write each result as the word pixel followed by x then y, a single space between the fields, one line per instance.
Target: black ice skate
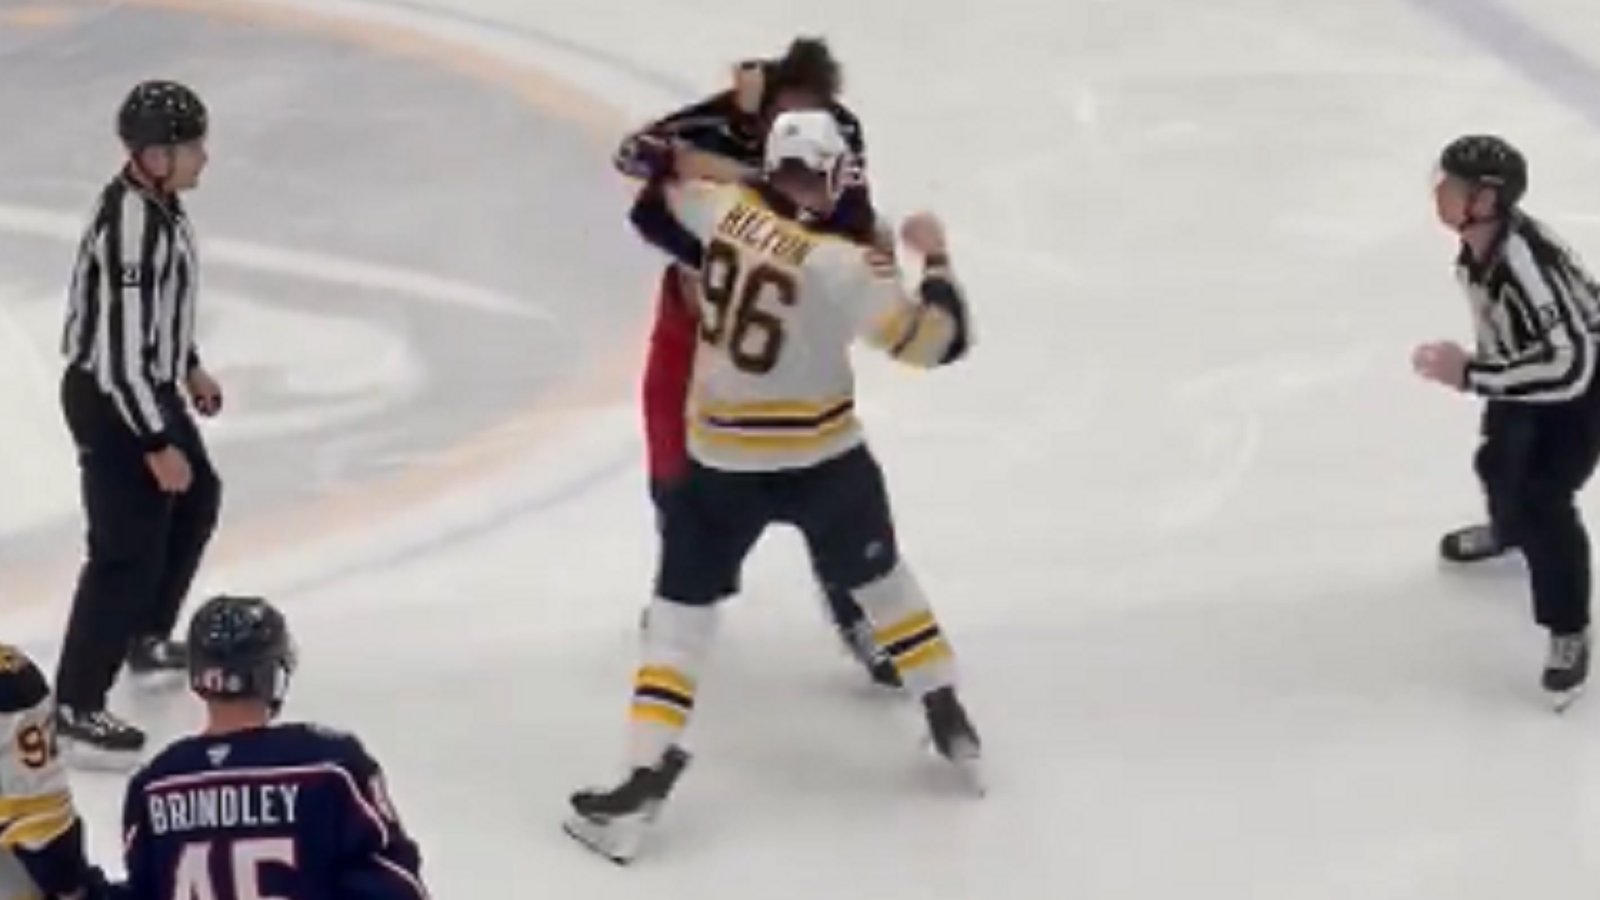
pixel 953 735
pixel 1567 668
pixel 96 739
pixel 858 640
pixel 613 823
pixel 158 663
pixel 1474 543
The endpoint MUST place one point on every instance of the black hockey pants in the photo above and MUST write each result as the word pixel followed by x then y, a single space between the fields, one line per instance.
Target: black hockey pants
pixel 144 545
pixel 1534 459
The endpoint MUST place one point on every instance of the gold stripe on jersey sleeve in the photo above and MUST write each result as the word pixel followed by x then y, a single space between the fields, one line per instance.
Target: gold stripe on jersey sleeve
pixel 915 334
pixel 46 819
pixel 895 326
pixel 935 331
pixel 13 808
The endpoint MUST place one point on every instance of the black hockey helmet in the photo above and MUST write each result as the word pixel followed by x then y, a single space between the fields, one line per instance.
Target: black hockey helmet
pixel 240 649
pixel 1487 161
pixel 159 113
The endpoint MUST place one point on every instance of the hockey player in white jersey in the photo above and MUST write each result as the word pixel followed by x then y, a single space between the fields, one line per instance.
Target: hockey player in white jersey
pixel 41 837
pixel 773 437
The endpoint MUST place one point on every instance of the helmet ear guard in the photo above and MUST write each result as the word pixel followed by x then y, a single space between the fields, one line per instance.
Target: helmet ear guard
pixel 240 649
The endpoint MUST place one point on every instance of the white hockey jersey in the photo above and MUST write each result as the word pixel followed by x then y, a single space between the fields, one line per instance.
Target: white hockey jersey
pixel 36 806
pixel 780 306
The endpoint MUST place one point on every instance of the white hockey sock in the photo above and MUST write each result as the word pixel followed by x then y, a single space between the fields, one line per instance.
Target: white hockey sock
pixel 905 629
pixel 674 642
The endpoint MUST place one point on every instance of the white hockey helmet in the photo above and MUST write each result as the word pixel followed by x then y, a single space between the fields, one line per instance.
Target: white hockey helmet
pixel 811 138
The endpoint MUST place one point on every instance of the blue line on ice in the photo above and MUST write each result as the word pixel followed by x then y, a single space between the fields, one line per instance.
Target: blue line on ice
pixel 1513 39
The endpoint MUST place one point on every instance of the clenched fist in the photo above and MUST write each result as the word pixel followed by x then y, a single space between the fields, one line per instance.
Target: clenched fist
pixel 924 233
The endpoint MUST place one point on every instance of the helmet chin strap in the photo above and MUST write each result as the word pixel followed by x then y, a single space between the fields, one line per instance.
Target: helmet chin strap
pixel 1471 218
pixel 162 185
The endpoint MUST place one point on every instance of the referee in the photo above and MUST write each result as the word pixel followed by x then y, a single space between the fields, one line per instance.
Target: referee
pixel 1535 310
pixel 149 491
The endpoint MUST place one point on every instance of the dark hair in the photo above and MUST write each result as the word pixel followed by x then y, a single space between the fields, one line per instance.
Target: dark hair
pixel 808 65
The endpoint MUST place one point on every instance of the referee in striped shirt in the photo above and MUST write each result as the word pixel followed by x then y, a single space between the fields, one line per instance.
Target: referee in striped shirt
pixel 150 494
pixel 1535 311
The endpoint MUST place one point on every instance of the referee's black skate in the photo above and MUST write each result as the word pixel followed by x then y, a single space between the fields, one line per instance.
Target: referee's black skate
pixel 1566 669
pixel 613 823
pixel 1473 543
pixel 157 663
pixel 96 739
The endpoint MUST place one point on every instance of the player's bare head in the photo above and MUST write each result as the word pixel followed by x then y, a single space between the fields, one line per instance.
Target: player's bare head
pixel 805 77
pixel 163 125
pixel 1480 178
pixel 806 158
pixel 240 653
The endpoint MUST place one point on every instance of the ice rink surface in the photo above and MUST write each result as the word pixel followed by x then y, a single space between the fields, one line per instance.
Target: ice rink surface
pixel 1177 512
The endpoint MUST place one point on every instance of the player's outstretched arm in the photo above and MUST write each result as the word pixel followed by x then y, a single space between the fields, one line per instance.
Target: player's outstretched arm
pixel 633 153
pixel 691 126
pixel 678 216
pixel 652 217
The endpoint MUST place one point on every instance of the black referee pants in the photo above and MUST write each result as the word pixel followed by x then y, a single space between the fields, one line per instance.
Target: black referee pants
pixel 144 545
pixel 1534 459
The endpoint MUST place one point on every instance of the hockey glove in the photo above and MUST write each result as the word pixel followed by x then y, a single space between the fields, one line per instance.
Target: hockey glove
pixel 647 156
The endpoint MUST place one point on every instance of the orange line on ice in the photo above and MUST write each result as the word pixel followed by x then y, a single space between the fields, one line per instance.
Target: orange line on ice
pixel 493 449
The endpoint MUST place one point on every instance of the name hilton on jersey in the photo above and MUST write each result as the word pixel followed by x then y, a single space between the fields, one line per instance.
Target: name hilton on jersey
pixel 764 233
pixel 224 806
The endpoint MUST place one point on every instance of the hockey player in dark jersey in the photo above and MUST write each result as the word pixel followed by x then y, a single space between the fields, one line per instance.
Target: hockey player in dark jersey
pixel 249 809
pixel 721 138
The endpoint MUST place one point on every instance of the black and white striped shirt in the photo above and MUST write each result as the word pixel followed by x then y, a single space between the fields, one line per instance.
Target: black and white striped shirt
pixel 131 313
pixel 1536 312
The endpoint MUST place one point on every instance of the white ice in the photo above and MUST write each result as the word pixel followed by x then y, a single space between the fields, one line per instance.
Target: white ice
pixel 1178 512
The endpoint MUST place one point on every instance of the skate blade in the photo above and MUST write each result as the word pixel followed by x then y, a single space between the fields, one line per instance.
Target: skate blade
pixel 90 758
pixel 1561 701
pixel 967 762
pixel 618 841
pixel 970 770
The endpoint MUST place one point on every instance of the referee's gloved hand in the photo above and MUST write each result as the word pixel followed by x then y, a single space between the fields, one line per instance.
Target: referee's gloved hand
pixel 205 392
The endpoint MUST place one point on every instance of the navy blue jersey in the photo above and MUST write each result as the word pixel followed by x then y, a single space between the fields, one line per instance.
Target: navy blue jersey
pixel 288 811
pixel 717 125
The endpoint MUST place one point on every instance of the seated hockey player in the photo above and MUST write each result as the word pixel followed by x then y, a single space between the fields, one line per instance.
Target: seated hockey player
pixel 40 831
pixel 773 437
pixel 721 137
pixel 248 809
